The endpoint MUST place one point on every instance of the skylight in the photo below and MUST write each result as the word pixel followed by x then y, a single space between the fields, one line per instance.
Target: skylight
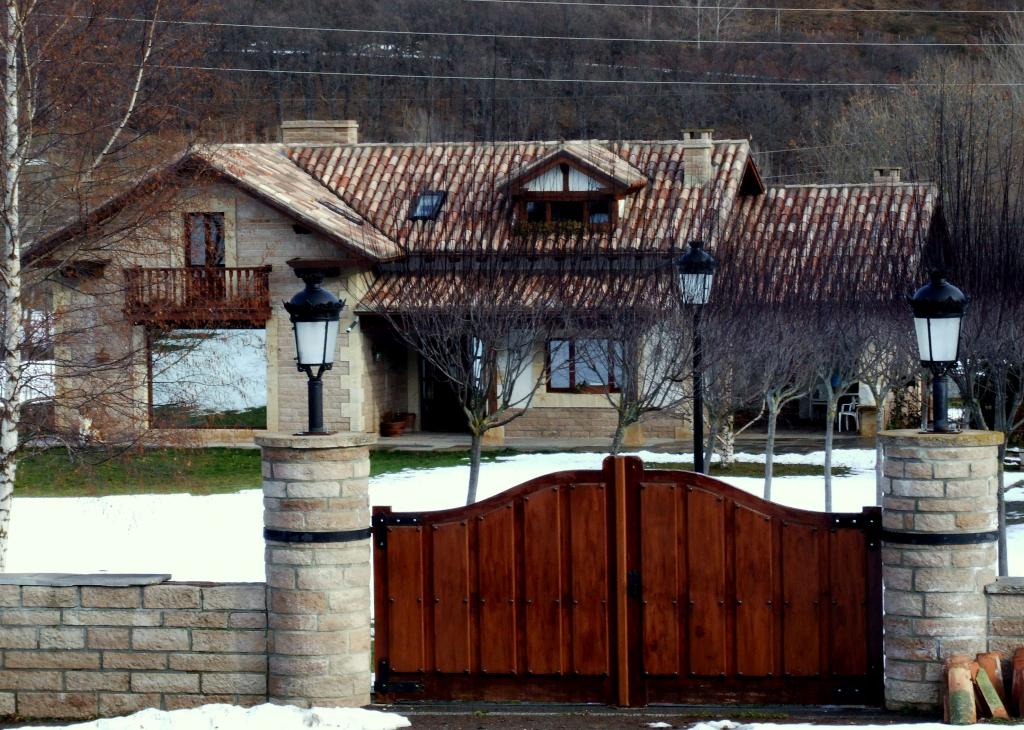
pixel 427 205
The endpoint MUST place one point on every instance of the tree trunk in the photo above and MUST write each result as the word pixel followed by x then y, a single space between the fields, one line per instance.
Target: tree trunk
pixel 879 427
pixel 1004 557
pixel 727 440
pixel 769 449
pixel 709 447
pixel 829 433
pixel 620 431
pixel 10 276
pixel 474 466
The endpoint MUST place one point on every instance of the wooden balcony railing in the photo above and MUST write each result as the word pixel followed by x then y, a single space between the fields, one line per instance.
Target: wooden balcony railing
pixel 199 296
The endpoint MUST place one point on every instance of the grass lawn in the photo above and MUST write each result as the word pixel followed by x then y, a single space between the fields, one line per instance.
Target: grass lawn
pixel 214 471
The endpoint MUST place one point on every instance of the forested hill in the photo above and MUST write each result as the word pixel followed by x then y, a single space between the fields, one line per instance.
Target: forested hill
pixel 733 67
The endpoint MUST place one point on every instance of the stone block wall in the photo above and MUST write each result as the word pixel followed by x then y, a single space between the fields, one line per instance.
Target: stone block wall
pixel 1005 606
pixel 545 422
pixel 84 651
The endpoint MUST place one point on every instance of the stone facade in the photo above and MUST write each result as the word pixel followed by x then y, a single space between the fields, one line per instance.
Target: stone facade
pixel 935 605
pixel 92 650
pixel 594 422
pixel 1005 599
pixel 318 593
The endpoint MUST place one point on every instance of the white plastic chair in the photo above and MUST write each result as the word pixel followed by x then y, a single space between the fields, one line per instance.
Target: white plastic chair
pixel 849 410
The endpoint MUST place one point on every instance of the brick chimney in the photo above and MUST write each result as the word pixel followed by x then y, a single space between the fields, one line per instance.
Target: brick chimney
pixel 884 175
pixel 697 149
pixel 324 132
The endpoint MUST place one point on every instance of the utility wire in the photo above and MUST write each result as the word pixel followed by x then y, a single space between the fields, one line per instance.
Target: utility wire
pixel 581 39
pixel 760 9
pixel 548 80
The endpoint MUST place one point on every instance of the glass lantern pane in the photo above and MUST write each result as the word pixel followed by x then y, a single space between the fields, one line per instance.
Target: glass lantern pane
pixel 937 339
pixel 695 288
pixel 315 342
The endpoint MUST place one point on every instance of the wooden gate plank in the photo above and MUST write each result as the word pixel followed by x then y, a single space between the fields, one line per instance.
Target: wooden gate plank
pixel 406 624
pixel 705 540
pixel 496 565
pixel 755 623
pixel 659 529
pixel 590 579
pixel 452 647
pixel 542 535
pixel 848 590
pixel 801 590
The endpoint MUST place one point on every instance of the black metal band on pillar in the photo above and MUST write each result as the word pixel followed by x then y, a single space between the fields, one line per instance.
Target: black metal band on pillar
pixel 938 538
pixel 316 537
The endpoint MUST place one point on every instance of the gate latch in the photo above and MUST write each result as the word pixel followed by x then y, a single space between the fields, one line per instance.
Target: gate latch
pixel 634 589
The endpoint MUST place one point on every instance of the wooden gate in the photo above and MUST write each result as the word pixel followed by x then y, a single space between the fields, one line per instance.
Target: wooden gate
pixel 628 586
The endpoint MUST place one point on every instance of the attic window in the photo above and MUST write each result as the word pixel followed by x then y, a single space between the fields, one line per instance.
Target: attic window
pixel 427 205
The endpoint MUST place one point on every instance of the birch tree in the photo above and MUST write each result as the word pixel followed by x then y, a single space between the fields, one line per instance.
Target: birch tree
pixel 88 106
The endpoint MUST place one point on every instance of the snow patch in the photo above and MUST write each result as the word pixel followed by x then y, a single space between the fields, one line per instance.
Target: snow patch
pixel 262 717
pixel 729 725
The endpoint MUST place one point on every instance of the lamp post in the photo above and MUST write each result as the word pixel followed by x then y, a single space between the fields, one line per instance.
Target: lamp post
pixel 314 314
pixel 939 308
pixel 696 274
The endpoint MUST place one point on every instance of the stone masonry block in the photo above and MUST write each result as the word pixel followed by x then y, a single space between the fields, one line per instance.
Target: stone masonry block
pixel 55 659
pixel 929 558
pixel 976 520
pixel 935 521
pixel 300 490
pixel 229 641
pixel 30 680
pixel 196 619
pixel 968 488
pixel 245 597
pixel 918 469
pixel 134 660
pixel 108 638
pixel 108 617
pixel 160 639
pixel 188 701
pixel 951 469
pixel 58 705
pixel 234 683
pixel 985 467
pixel 112 705
pixel 58 638
pixel 947 627
pixel 911 648
pixel 946 580
pixel 23 638
pixel 954 604
pixel 287 556
pixel 901 579
pixel 309 643
pixel 171 596
pixel 164 682
pixel 29 617
pixel 948 504
pixel 312 471
pixel 100 597
pixel 218 662
pixel 924 693
pixel 97 681
pixel 903 603
pixel 1006 605
pixel 918 488
pixel 49 597
pixel 247 620
pixel 10 596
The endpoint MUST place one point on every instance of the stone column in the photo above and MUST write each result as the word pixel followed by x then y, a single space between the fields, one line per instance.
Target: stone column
pixel 938 554
pixel 316 525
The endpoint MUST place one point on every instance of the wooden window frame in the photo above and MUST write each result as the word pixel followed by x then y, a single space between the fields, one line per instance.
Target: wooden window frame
pixel 207 217
pixel 610 387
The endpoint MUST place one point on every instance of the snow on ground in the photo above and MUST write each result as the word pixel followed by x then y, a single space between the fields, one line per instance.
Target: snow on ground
pixel 262 717
pixel 730 725
pixel 220 538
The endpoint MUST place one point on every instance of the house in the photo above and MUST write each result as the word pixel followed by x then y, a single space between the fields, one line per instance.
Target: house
pixel 244 217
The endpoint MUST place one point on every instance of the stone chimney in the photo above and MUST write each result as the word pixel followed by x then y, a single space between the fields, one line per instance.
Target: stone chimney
pixel 324 132
pixel 697 150
pixel 890 175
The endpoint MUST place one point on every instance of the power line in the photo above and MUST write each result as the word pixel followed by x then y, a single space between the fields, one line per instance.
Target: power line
pixel 759 9
pixel 579 39
pixel 548 80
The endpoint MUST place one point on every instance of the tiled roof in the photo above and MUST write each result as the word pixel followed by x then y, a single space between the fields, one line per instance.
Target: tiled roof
pixel 826 242
pixel 265 171
pixel 381 182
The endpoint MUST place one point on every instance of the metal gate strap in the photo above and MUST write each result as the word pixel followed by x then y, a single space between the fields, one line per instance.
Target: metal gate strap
pixel 938 538
pixel 312 537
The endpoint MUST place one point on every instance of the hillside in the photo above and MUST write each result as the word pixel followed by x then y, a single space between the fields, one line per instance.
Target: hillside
pixel 466 101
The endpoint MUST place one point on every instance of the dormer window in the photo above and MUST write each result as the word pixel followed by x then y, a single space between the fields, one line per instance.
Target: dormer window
pixel 577 186
pixel 427 205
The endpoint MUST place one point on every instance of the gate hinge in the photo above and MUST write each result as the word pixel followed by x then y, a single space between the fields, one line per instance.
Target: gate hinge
pixel 383 685
pixel 381 522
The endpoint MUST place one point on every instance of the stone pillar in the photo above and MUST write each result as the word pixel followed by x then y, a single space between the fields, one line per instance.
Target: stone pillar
pixel 316 525
pixel 938 553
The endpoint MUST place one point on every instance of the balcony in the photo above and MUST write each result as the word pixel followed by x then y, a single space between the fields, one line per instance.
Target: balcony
pixel 198 297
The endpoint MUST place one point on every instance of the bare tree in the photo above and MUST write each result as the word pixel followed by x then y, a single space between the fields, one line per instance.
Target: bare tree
pixel 90 104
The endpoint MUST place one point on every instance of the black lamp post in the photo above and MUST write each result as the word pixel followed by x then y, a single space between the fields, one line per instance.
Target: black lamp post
pixel 939 308
pixel 314 313
pixel 696 274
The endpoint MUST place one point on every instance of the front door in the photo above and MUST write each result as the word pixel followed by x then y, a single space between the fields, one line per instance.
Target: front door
pixel 439 404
